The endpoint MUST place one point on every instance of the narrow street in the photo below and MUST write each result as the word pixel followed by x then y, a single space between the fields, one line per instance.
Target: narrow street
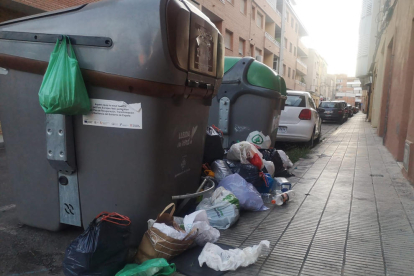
pixel 352 215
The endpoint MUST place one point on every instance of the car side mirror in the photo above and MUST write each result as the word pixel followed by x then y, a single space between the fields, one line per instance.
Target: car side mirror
pixel 321 110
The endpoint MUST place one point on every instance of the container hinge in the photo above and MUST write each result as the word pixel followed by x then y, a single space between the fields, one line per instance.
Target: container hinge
pixel 224 117
pixel 70 212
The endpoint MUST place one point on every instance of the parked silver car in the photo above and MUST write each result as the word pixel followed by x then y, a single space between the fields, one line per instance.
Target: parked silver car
pixel 299 121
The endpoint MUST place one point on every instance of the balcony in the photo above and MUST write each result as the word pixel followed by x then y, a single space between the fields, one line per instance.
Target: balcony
pixel 302 50
pixel 301 67
pixel 300 83
pixel 271 44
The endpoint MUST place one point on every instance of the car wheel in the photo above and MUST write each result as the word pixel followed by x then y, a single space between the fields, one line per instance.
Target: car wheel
pixel 311 142
pixel 318 139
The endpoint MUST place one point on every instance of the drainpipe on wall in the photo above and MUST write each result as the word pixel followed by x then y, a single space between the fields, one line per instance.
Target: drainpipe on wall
pixel 282 38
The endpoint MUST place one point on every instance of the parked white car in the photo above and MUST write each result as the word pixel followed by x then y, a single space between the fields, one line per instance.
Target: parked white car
pixel 299 121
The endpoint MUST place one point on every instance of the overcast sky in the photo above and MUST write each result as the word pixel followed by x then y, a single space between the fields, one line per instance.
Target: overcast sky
pixel 333 31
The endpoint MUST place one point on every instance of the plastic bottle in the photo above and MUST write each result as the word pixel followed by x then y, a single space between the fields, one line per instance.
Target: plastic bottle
pixel 267 198
pixel 281 199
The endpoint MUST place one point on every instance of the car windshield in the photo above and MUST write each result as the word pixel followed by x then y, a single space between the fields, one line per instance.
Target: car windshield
pixel 295 100
pixel 329 104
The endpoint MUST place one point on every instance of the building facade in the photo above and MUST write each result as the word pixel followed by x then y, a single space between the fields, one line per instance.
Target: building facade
pixel 391 106
pixel 317 80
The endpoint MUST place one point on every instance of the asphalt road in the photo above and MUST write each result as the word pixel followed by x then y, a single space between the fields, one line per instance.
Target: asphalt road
pixel 25 250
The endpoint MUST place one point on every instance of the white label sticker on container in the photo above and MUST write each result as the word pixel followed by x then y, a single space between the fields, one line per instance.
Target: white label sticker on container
pixel 107 113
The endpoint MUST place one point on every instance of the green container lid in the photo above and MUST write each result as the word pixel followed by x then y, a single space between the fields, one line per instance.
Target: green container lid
pixel 259 74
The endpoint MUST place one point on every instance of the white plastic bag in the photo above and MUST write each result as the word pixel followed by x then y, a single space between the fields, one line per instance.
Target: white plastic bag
pixel 177 220
pixel 270 167
pixel 222 208
pixel 285 158
pixel 205 232
pixel 259 139
pixel 242 152
pixel 224 260
pixel 246 193
pixel 170 231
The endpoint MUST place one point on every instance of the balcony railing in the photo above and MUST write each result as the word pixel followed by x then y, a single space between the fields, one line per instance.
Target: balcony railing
pixel 302 63
pixel 300 83
pixel 272 39
pixel 272 3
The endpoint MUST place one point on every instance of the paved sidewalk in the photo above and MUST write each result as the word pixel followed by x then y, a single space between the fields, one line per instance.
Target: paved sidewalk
pixel 352 214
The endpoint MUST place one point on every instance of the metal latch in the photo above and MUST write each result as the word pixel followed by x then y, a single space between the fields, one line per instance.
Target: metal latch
pixel 224 118
pixel 60 147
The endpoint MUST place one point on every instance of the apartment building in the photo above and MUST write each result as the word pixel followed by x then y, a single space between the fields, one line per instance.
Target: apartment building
pixel 317 80
pixel 330 82
pixel 392 69
pixel 249 27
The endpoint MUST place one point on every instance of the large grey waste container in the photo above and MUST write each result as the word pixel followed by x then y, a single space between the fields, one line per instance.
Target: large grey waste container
pixel 250 98
pixel 159 61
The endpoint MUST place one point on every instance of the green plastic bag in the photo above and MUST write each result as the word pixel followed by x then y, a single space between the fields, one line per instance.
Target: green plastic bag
pixel 63 90
pixel 151 267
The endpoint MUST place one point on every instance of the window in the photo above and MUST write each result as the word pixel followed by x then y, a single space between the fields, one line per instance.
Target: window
pixel 251 50
pixel 292 24
pixel 257 52
pixel 228 40
pixel 287 16
pixel 290 47
pixel 294 51
pixel 293 74
pixel 241 46
pixel 254 12
pixel 243 6
pixel 231 1
pixel 289 72
pixel 275 63
pixel 284 69
pixel 297 28
pixel 295 100
pixel 285 43
pixel 259 20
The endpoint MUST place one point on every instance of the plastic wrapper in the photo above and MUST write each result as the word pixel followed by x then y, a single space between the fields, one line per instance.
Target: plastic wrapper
pixel 285 158
pixel 152 267
pixel 102 249
pixel 259 139
pixel 222 208
pixel 206 233
pixel 246 153
pixel 249 198
pixel 223 260
pixel 220 169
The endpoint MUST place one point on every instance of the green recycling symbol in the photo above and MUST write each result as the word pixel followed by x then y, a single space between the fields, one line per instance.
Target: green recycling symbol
pixel 257 139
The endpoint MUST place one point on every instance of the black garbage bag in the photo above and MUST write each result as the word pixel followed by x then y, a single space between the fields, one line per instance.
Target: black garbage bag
pixel 213 146
pixel 102 249
pixel 273 155
pixel 248 171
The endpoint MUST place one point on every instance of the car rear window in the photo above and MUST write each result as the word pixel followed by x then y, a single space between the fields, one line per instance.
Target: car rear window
pixel 295 100
pixel 330 105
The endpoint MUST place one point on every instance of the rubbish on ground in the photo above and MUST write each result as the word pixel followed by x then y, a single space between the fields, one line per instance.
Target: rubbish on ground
pixel 220 169
pixel 267 198
pixel 246 153
pixel 205 232
pixel 186 262
pixel 267 183
pixel 63 90
pixel 282 184
pixel 156 244
pixel 178 220
pixel 249 172
pixel 101 249
pixel 281 199
pixel 158 266
pixel 222 208
pixel 285 158
pixel 223 260
pixel 270 167
pixel 257 138
pixel 213 148
pixel 245 192
pixel 274 156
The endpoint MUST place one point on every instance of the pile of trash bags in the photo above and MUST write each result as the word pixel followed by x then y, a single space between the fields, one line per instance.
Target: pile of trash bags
pixel 248 176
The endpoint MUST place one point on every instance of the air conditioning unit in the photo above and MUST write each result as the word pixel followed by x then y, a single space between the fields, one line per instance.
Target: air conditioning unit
pixel 259 58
